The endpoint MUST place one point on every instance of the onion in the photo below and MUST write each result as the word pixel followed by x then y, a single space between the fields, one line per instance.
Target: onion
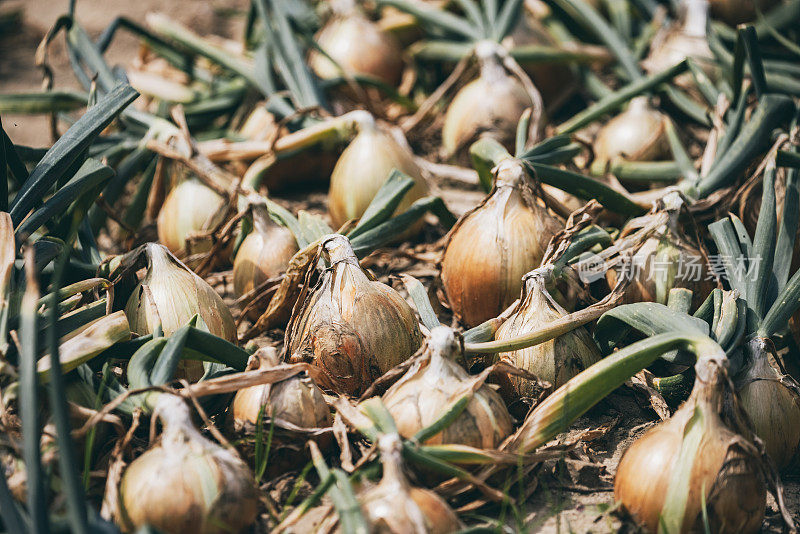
pixel 771 399
pixel 555 361
pixel 702 456
pixel 664 261
pixel 296 401
pixel 186 483
pixel 178 295
pixel 364 167
pixel 263 254
pixel 637 134
pixel 359 46
pixel 492 104
pixel 433 384
pixel 397 507
pixel 491 247
pixel 191 208
pixel 682 40
pixel 351 327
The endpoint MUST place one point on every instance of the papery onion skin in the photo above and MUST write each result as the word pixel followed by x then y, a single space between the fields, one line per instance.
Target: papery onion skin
pixel 771 400
pixel 556 360
pixel 637 134
pixel 491 104
pixel 261 257
pixel 186 485
pixel 190 208
pixel 362 170
pixel 179 294
pixel 360 47
pixel 263 254
pixel 491 248
pixel 394 506
pixel 352 328
pixel 420 397
pixel 726 470
pixel 296 400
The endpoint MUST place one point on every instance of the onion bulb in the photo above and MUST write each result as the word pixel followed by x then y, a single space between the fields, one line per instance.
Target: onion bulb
pixel 363 168
pixel 491 247
pixel 394 506
pixel 296 401
pixel 358 45
pixel 186 483
pixel 191 208
pixel 491 104
pixel 663 262
pixel 263 254
pixel 771 399
pixel 431 386
pixel 637 134
pixel 178 295
pixel 682 40
pixel 555 361
pixel 351 327
pixel 702 456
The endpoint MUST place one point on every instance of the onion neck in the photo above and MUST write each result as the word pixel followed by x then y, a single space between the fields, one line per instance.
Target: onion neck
pixel 535 287
pixel 488 54
pixel 444 345
pixel 510 173
pixel 391 448
pixel 336 249
pixel 695 18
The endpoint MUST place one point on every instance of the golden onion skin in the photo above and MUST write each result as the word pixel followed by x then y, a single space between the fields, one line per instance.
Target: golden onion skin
pixel 491 104
pixel 187 484
pixel 637 134
pixel 663 262
pixel 359 46
pixel 726 468
pixel 771 400
pixel 362 170
pixel 491 248
pixel 178 295
pixel 431 385
pixel 683 39
pixel 394 506
pixel 352 328
pixel 555 361
pixel 263 254
pixel 296 400
pixel 190 208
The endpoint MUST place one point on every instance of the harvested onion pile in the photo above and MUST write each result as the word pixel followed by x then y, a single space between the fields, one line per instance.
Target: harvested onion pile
pixel 407 266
